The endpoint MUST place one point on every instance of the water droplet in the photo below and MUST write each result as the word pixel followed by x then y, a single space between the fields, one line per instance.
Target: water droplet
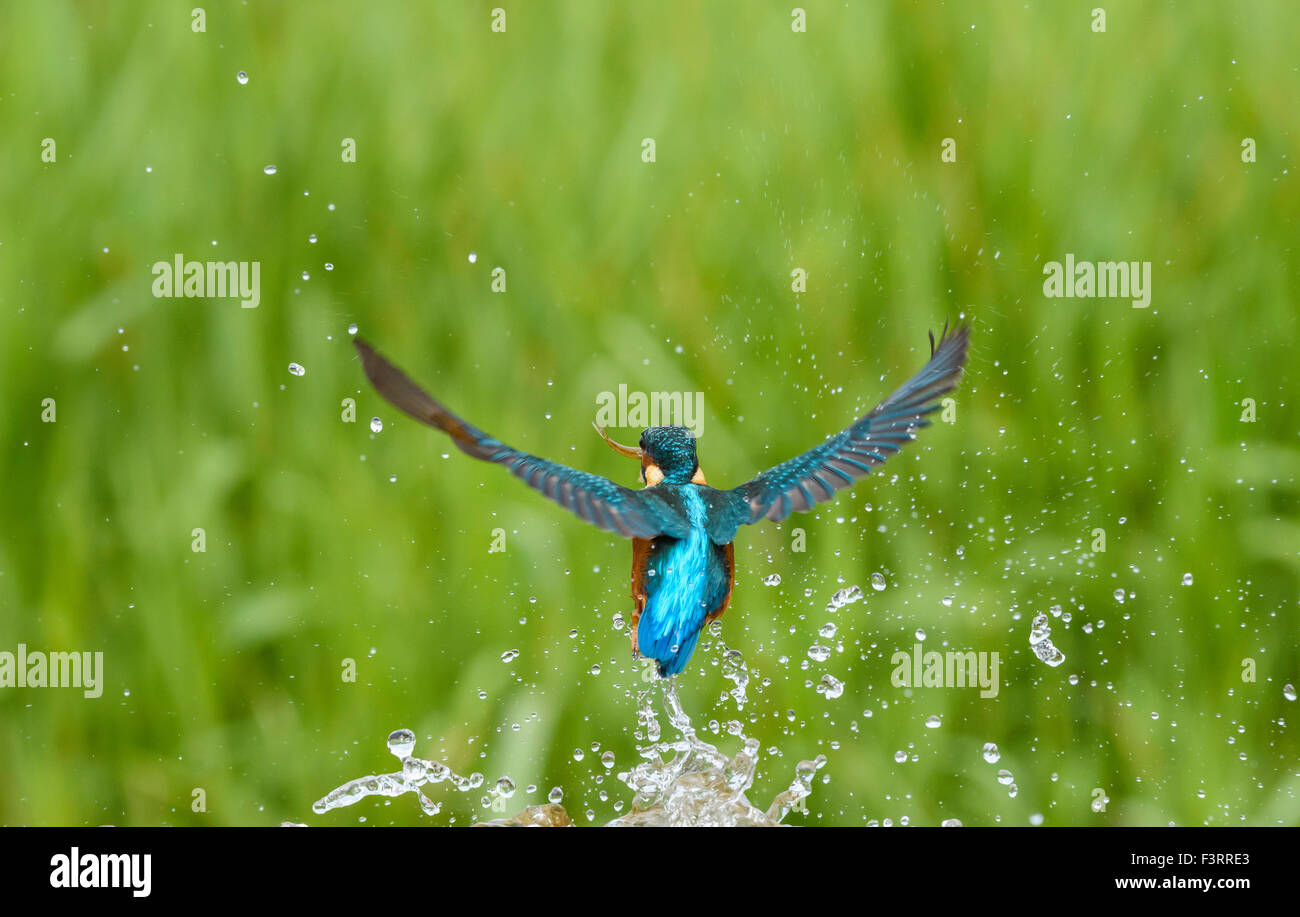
pixel 473 256
pixel 242 77
pixel 900 756
pixel 772 580
pixel 269 170
pixel 578 754
pixel 312 238
pixel 1039 630
pixel 555 795
pixel 846 596
pixel 878 582
pixel 1005 777
pixel 306 276
pixel 819 653
pixel 828 630
pixel 950 823
pixel 1119 595
pixel 920 633
pixel 607 759
pixel 1040 640
pixel 1187 579
pixel 1288 691
pixel 947 603
pixel 392 479
pixel 328 266
pixel 991 753
pixel 831 686
pixel 1048 653
pixel 297 369
pixel 376 425
pixel 510 655
pixel 932 722
pixel 401 742
pixel 352 328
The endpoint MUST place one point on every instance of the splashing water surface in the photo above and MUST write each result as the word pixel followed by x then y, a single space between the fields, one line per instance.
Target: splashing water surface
pixel 687 781
pixel 415 773
pixel 681 781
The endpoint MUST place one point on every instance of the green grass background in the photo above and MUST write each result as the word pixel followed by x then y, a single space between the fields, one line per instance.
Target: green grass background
pixel 775 151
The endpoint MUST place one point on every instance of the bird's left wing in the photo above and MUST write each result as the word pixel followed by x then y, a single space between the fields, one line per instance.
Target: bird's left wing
pixel 594 499
pixel 849 455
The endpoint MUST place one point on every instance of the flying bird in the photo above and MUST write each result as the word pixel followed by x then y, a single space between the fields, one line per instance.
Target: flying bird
pixel 682 530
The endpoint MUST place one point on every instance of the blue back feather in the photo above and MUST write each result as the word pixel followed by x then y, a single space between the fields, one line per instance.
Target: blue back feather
pixel 686 578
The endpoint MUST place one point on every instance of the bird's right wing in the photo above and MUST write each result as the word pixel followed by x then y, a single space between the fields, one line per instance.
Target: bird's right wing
pixel 814 477
pixel 592 498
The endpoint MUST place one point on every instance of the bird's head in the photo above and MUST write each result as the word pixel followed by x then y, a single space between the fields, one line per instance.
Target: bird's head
pixel 667 454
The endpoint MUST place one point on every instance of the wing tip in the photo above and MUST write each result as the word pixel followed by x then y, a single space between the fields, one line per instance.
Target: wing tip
pixel 948 356
pixel 956 337
pixel 364 350
pixel 373 363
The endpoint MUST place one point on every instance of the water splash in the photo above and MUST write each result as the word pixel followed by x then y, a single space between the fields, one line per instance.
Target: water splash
pixel 830 686
pixel 1040 639
pixel 681 781
pixel 549 815
pixel 846 596
pixel 735 671
pixel 688 782
pixel 414 775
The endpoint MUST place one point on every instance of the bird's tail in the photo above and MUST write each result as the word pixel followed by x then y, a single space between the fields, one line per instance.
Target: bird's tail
pixel 667 636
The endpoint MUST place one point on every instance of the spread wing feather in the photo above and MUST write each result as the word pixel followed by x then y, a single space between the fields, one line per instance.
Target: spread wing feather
pixel 814 477
pixel 592 498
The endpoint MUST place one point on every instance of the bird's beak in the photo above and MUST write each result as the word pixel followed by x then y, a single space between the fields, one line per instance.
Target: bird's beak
pixel 629 451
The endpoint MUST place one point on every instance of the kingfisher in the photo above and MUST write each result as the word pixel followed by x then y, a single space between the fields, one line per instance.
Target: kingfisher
pixel 682 530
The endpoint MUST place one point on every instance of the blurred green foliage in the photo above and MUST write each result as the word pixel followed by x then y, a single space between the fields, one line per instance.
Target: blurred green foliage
pixel 774 151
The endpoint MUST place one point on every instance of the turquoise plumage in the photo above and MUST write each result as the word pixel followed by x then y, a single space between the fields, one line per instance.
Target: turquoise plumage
pixel 683 566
